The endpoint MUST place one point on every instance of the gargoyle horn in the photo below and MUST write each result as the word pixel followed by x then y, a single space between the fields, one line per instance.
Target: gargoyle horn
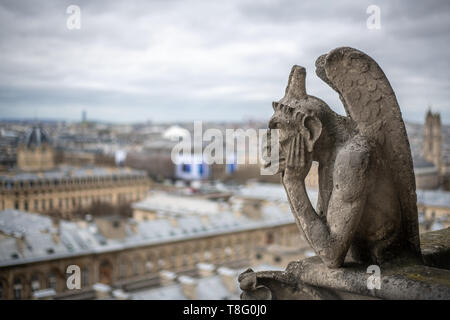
pixel 296 89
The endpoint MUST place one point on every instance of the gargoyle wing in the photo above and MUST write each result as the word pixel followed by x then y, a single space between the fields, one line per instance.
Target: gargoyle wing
pixel 369 100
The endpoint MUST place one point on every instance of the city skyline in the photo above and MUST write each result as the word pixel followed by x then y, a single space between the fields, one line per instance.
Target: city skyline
pixel 227 61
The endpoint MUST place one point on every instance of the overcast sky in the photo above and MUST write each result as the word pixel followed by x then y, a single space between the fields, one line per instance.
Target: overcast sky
pixel 165 60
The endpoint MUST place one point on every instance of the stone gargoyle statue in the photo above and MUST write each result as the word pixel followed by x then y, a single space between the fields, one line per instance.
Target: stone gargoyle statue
pixel 366 211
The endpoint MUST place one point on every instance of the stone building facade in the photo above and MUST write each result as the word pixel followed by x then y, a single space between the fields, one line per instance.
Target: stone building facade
pixel 168 232
pixel 68 189
pixel 35 152
pixel 141 265
pixel 39 186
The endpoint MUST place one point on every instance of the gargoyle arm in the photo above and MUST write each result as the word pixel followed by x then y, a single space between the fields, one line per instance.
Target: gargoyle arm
pixel 331 235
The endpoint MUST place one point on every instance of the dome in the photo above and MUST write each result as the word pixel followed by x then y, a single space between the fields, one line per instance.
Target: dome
pixel 175 132
pixel 35 137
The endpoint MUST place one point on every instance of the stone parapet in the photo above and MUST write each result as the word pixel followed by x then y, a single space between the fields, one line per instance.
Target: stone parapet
pixel 311 279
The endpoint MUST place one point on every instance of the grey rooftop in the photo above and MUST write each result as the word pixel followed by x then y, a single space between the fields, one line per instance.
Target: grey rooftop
pixel 38 233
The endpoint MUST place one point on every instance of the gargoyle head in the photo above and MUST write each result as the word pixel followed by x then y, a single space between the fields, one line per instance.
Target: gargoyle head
pixel 297 116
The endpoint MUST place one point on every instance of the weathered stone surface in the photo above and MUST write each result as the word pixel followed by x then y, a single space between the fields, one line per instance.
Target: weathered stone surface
pixel 367 207
pixel 311 279
pixel 403 282
pixel 436 248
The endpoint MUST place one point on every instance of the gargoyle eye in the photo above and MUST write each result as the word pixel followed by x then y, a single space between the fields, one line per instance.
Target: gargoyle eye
pixel 274 124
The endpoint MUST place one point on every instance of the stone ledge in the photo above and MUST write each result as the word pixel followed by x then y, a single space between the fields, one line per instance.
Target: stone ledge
pixel 413 282
pixel 311 279
pixel 435 247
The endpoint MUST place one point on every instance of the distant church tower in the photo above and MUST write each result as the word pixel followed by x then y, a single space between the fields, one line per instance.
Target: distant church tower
pixel 35 152
pixel 84 116
pixel 432 141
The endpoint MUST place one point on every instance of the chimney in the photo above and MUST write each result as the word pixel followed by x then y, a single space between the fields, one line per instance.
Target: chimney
pixel 236 206
pixel 229 278
pixel 44 294
pixel 189 286
pixel 119 294
pixel 173 221
pixel 205 269
pixel 205 219
pixel 55 237
pixel 167 277
pixel 111 227
pixel 251 208
pixel 20 242
pixel 134 226
pixel 102 291
pixel 142 215
pixel 56 223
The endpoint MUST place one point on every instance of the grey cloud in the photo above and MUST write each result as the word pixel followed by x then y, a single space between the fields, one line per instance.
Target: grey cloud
pixel 183 60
